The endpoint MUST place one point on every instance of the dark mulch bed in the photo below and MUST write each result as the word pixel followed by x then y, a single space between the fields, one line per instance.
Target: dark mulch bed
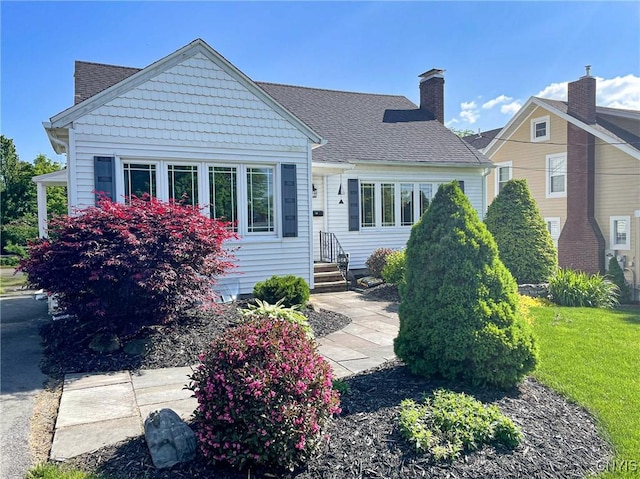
pixel 560 438
pixel 385 292
pixel 176 344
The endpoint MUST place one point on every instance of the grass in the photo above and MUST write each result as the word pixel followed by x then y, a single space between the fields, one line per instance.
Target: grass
pixel 592 356
pixel 56 471
pixel 11 282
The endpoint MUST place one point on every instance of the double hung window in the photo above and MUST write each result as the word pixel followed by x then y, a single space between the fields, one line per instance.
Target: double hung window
pixel 393 204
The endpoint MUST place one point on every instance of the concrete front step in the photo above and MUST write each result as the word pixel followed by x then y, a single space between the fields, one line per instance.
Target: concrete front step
pixel 330 287
pixel 324 267
pixel 327 277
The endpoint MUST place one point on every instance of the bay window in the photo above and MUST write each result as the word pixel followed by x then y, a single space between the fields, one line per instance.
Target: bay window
pixel 393 204
pixel 139 179
pixel 260 217
pixel 183 183
pixel 223 194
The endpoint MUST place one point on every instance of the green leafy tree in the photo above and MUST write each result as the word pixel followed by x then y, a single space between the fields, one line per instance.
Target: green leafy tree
pixel 459 311
pixel 17 191
pixel 525 245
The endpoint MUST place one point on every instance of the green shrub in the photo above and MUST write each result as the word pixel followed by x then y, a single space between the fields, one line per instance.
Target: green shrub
pixel 616 276
pixel 56 471
pixel 277 311
pixel 449 423
pixel 577 288
pixel 525 245
pixel 459 311
pixel 9 261
pixel 341 386
pixel 20 231
pixel 289 290
pixel 20 251
pixel 375 263
pixel 393 271
pixel 264 396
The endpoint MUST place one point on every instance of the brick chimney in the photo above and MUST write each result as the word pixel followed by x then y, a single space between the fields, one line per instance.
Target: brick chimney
pixel 581 244
pixel 432 93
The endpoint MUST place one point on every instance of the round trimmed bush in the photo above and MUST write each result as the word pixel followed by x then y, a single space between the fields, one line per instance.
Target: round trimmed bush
pixel 393 271
pixel 376 262
pixel 459 313
pixel 264 396
pixel 524 243
pixel 289 290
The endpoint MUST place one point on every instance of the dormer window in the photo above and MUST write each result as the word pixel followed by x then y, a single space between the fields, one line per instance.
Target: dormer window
pixel 540 129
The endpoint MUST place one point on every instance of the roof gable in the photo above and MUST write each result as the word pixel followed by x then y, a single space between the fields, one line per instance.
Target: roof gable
pixel 605 129
pixel 99 93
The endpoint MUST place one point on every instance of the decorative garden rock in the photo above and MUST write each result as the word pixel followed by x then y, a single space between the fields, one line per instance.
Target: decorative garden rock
pixel 169 439
pixel 105 343
pixel 137 347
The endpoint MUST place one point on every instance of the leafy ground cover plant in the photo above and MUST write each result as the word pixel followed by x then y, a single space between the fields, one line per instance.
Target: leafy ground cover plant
pixel 121 266
pixel 263 309
pixel 264 396
pixel 524 243
pixel 393 270
pixel 459 313
pixel 449 423
pixel 375 263
pixel 289 290
pixel 576 288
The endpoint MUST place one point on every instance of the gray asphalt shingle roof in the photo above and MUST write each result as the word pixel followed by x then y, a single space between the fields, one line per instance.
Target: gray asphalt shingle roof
pixel 482 139
pixel 357 126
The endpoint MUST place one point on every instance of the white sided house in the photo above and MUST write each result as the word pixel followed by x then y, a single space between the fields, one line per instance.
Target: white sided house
pixel 293 166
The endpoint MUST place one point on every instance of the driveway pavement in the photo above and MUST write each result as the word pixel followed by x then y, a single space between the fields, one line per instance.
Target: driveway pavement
pixel 20 379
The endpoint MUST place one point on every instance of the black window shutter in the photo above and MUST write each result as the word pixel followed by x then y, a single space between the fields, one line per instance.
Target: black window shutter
pixel 289 201
pixel 354 205
pixel 461 185
pixel 104 169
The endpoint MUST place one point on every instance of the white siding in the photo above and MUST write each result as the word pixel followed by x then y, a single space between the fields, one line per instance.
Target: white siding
pixel 196 112
pixel 360 244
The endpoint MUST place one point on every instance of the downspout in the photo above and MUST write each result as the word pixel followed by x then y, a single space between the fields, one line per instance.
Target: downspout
pixel 486 173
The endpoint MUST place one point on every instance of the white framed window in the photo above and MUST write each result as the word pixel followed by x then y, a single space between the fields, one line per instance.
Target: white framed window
pixel 556 173
pixel 553 226
pixel 244 194
pixel 620 232
pixel 540 129
pixel 386 205
pixel 140 179
pixel 504 173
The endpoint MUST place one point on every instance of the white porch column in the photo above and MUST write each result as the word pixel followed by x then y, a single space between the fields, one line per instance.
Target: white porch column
pixel 42 210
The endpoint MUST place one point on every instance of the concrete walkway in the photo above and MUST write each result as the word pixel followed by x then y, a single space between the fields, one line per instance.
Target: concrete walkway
pixel 97 410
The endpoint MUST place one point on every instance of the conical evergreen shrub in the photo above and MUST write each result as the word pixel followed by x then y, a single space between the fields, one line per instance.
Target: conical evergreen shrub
pixel 459 309
pixel 525 245
pixel 616 275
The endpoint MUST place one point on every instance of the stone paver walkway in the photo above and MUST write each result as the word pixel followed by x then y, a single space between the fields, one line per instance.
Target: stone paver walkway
pixel 97 410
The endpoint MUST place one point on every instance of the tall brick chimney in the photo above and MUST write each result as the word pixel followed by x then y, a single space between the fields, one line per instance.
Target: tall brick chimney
pixel 432 93
pixel 581 244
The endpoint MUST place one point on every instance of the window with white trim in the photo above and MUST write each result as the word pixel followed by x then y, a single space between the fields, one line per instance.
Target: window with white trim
pixel 140 179
pixel 183 183
pixel 223 193
pixel 244 194
pixel 620 232
pixel 553 226
pixel 556 172
pixel 540 129
pixel 260 200
pixel 503 174
pixel 393 204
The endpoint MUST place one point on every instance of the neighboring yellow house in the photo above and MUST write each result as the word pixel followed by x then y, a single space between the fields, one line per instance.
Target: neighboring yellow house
pixel 582 166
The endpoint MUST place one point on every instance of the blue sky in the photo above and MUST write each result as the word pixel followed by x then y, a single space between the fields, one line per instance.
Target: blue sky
pixel 496 54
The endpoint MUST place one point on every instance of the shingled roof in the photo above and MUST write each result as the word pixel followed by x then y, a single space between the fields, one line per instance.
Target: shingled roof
pixel 357 126
pixel 482 139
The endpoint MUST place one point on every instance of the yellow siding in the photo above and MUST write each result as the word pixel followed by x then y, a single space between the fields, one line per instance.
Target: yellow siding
pixel 529 161
pixel 618 194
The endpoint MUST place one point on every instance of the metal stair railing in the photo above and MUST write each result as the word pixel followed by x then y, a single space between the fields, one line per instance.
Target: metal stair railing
pixel 331 252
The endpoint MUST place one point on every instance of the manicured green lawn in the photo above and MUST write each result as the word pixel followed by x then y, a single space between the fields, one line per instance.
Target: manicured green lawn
pixel 593 357
pixel 10 282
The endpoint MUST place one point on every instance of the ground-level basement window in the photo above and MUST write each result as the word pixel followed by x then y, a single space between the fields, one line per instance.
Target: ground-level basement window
pixel 620 237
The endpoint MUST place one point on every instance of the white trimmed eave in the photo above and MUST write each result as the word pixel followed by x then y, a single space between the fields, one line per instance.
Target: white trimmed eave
pixel 55 178
pixel 59 137
pixel 525 112
pixel 197 46
pixel 422 164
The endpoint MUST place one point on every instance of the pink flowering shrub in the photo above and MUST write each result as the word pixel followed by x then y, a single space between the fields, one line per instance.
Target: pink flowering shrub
pixel 121 266
pixel 264 396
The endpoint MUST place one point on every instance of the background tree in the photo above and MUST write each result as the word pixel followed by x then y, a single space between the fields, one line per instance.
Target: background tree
pixel 525 245
pixel 459 310
pixel 56 195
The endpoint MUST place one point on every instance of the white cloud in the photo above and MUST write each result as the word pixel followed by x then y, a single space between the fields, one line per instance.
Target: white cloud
pixel 511 108
pixel 469 111
pixel 496 101
pixel 618 92
pixel 452 122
